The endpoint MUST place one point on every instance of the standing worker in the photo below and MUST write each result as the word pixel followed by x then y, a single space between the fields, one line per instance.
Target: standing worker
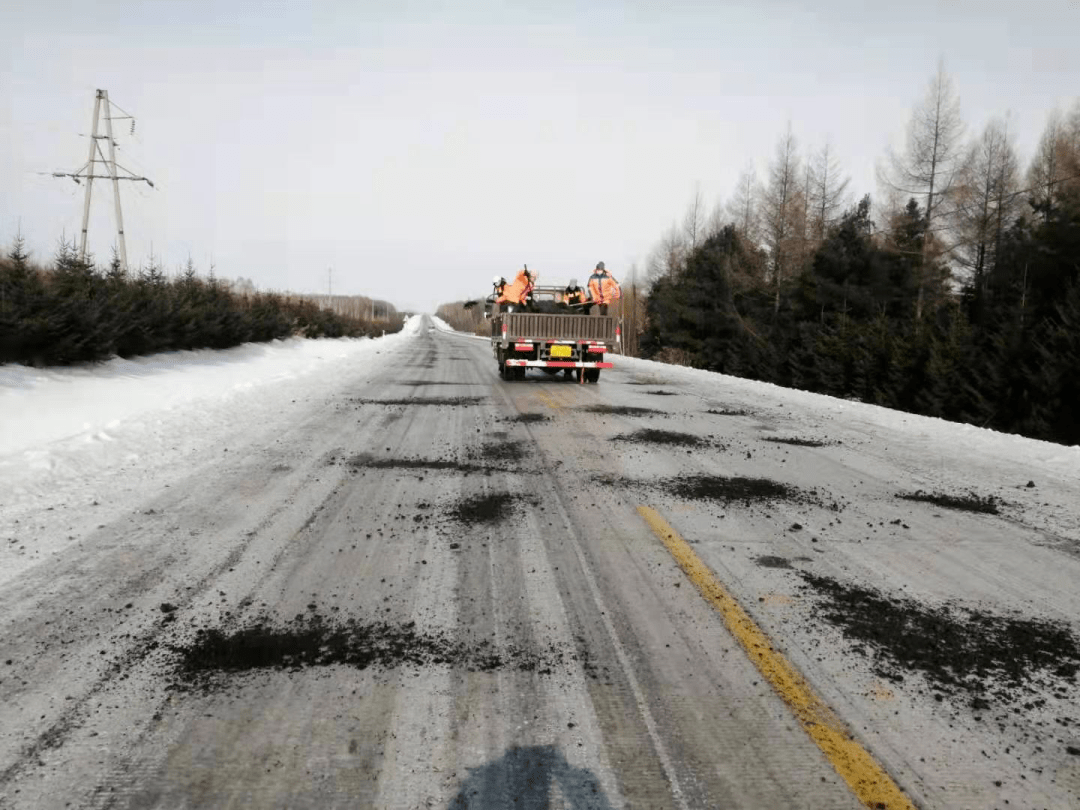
pixel 603 288
pixel 573 294
pixel 515 293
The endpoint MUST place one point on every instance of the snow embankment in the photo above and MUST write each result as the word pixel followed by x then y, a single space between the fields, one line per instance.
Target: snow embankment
pixel 109 433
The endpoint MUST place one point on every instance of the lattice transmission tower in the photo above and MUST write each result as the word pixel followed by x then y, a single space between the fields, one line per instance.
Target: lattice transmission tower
pixel 97 157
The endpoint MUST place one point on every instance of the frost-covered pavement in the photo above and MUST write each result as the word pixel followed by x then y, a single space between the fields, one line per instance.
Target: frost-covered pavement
pixel 370 573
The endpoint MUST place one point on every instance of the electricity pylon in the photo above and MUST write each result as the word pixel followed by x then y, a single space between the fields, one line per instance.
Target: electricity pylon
pixel 98 156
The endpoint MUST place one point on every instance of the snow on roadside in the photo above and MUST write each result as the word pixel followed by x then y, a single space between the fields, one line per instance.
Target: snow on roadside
pixel 445 327
pixel 105 434
pixel 915 431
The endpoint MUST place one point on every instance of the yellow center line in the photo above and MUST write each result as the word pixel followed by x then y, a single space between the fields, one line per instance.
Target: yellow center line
pixel 857 766
pixel 548 400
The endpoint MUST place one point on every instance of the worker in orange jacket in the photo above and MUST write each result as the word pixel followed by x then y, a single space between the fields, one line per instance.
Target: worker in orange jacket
pixel 514 294
pixel 603 288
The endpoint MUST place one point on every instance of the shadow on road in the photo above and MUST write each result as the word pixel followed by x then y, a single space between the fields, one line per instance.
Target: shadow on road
pixel 523 777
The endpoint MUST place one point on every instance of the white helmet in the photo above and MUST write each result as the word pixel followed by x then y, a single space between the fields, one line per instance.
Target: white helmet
pixel 572 284
pixel 496 279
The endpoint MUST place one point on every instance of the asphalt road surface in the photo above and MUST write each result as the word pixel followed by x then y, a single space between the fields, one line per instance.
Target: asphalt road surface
pixel 444 590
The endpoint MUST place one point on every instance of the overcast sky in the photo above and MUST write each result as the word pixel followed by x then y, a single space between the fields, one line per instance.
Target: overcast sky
pixel 420 148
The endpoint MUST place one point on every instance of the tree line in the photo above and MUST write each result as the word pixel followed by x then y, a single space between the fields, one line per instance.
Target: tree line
pixel 956 294
pixel 72 311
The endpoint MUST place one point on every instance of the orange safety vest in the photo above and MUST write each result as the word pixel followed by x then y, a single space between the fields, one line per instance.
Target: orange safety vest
pixel 603 288
pixel 515 291
pixel 574 296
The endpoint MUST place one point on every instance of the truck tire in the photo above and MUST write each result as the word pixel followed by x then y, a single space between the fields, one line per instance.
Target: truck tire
pixel 592 375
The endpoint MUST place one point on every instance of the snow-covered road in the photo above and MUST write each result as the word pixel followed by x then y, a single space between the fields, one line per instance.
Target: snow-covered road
pixel 372 574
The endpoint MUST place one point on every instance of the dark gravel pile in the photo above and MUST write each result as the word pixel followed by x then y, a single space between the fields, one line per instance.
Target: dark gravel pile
pixel 314 641
pixel 420 383
pixel 960 651
pixel 769 561
pixel 797 442
pixel 438 401
pixel 484 509
pixel 651 436
pixel 452 465
pixel 964 503
pixel 503 451
pixel 729 489
pixel 621 410
pixel 529 418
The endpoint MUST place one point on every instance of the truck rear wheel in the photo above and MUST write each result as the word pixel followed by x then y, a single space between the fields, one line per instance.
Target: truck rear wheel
pixel 592 375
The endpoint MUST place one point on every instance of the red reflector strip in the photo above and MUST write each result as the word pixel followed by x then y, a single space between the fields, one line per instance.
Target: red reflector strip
pixel 523 347
pixel 557 364
pixel 598 348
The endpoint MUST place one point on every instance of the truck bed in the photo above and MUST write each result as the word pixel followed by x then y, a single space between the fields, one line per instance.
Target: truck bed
pixel 539 326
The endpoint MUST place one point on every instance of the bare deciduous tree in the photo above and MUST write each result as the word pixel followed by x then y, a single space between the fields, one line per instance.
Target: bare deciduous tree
pixel 632 311
pixel 930 164
pixel 667 258
pixel 781 207
pixel 1073 143
pixel 718 218
pixel 827 191
pixel 986 200
pixel 1050 168
pixel 694 221
pixel 742 208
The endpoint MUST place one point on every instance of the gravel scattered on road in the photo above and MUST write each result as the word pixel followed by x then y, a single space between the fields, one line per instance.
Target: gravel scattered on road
pixel 959 650
pixel 964 503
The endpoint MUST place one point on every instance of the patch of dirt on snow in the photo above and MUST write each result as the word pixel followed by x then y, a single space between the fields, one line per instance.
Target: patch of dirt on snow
pixel 722 489
pixel 420 383
pixel 314 641
pixel 659 393
pixel 964 503
pixel 769 561
pixel 528 418
pixel 728 412
pixel 734 488
pixel 504 451
pixel 621 410
pixel 962 652
pixel 651 436
pixel 796 441
pixel 478 510
pixel 363 460
pixel 439 401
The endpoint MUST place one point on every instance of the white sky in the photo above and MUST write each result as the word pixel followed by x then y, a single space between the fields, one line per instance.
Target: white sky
pixel 420 148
